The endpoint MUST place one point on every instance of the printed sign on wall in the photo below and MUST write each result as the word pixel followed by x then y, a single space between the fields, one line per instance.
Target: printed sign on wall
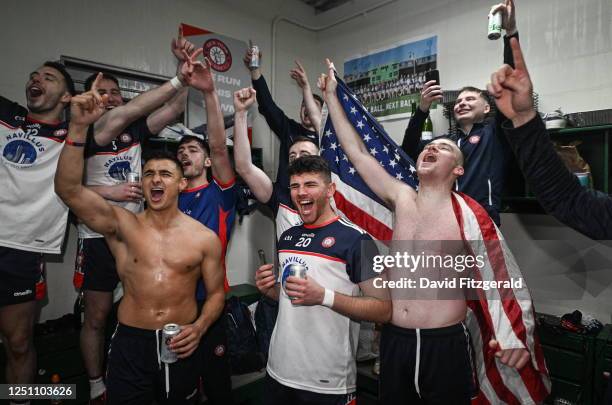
pixel 229 73
pixel 386 81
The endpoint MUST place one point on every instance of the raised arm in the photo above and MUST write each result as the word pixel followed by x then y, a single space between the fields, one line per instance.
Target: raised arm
pixel 90 207
pixel 312 107
pixel 508 12
pixel 259 183
pixel 186 342
pixel 378 180
pixel 123 192
pixel 559 192
pixel 411 144
pixel 275 117
pixel 199 76
pixel 116 120
pixel 168 113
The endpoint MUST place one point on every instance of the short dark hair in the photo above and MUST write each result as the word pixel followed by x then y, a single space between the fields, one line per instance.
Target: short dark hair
pixel 165 155
pixel 303 138
pixel 462 159
pixel 480 92
pixel 310 164
pixel 189 138
pixel 318 98
pixel 62 69
pixel 90 79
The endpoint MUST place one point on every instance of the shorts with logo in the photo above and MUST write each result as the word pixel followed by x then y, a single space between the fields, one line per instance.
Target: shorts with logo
pixel 94 268
pixel 215 366
pixel 279 394
pixel 136 375
pixel 21 276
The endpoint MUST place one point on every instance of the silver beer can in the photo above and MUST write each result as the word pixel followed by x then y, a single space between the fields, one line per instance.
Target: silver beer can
pixel 254 63
pixel 495 25
pixel 293 269
pixel 170 330
pixel 133 177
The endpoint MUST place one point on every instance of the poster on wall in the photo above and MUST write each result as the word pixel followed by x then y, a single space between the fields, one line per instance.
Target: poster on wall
pixel 387 80
pixel 229 73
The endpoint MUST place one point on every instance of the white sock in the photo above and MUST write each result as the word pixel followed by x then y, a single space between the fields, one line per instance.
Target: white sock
pixel 96 387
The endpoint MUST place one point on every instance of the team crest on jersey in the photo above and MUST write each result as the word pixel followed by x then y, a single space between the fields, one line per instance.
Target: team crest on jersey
pixel 219 350
pixel 125 138
pixel 118 167
pixel 22 148
pixel 328 242
pixel 474 139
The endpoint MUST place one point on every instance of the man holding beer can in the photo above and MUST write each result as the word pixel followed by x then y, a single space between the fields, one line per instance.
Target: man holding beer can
pixel 323 265
pixel 113 166
pixel 160 255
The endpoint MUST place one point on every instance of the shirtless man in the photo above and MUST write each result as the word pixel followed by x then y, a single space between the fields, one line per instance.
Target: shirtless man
pixel 160 255
pixel 426 337
pixel 114 149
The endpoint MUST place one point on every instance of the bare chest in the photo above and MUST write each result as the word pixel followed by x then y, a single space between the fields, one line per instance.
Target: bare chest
pixel 160 255
pixel 425 223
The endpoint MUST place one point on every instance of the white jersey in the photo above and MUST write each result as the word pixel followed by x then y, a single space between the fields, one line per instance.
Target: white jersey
pixel 313 348
pixel 285 215
pixel 32 216
pixel 108 165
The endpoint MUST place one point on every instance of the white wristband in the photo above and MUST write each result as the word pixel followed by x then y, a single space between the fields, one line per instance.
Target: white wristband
pixel 328 298
pixel 176 83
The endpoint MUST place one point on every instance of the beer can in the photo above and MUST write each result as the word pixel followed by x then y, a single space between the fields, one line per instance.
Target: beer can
pixel 254 63
pixel 170 330
pixel 133 177
pixel 293 269
pixel 495 25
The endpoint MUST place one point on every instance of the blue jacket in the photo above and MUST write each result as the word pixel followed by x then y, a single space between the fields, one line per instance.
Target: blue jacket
pixel 485 150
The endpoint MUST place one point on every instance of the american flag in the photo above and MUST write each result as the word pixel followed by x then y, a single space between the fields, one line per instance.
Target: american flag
pixel 510 320
pixel 353 197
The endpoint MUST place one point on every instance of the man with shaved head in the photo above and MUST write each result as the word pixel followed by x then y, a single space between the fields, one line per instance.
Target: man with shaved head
pixel 426 349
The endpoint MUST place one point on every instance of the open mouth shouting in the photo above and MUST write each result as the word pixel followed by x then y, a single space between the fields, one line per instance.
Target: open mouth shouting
pixel 157 194
pixel 429 158
pixel 35 91
pixel 306 206
pixel 185 163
